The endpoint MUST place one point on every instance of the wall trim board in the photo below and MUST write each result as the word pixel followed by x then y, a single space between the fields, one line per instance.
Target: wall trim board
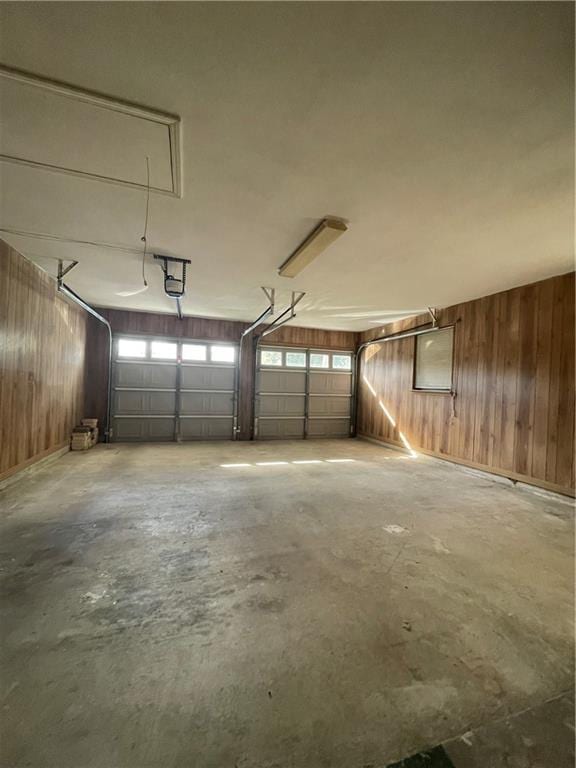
pixel 492 474
pixel 31 465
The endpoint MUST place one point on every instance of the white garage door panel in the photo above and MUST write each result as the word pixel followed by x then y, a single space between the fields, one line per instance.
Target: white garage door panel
pixel 205 428
pixel 326 405
pixel 207 377
pixel 152 375
pixel 132 402
pixel 214 403
pixel 329 428
pixel 143 429
pixel 281 381
pixel 330 383
pixel 281 429
pixel 282 405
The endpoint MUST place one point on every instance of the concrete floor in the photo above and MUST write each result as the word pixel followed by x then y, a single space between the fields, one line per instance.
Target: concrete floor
pixel 161 610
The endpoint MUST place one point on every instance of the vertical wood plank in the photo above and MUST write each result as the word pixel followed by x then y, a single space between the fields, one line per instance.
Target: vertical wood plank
pixel 565 430
pixel 528 325
pixel 542 378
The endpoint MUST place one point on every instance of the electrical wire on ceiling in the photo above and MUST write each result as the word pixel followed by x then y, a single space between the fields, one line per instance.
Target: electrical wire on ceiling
pixel 144 237
pixel 98 244
pixel 67 240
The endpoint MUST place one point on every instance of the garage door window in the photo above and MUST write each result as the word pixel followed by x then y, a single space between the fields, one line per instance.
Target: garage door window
pixel 319 361
pixel 131 348
pixel 433 361
pixel 342 362
pixel 270 357
pixel 296 359
pixel 163 350
pixel 222 354
pixel 193 352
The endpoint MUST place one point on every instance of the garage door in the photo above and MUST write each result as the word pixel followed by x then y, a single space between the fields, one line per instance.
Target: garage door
pixel 166 390
pixel 303 393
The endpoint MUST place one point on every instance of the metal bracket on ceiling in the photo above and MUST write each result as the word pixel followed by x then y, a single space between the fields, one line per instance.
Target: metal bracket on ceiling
pixel 434 315
pixel 62 272
pixel 285 316
pixel 270 294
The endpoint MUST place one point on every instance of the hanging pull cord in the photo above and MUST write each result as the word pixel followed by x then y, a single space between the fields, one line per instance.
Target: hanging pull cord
pixel 144 237
pixel 453 395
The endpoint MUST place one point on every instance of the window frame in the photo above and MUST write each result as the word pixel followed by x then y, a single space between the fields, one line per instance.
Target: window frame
pixel 148 340
pixel 286 364
pixel 308 352
pixel 145 341
pixel 210 360
pixel 349 355
pixel 194 360
pixel 434 390
pixel 281 364
pixel 174 359
pixel 326 354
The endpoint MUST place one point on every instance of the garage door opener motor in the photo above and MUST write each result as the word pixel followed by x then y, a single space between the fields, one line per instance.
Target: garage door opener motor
pixel 174 286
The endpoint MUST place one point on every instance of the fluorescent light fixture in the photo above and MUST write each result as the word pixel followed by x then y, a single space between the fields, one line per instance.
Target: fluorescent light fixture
pixel 324 235
pixel 231 466
pixel 308 461
pixel 339 461
pixel 270 463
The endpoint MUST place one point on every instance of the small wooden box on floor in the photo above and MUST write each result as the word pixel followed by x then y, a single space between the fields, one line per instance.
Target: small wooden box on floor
pixel 85 435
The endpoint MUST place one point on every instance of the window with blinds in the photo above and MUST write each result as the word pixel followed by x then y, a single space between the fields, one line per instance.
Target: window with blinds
pixel 433 360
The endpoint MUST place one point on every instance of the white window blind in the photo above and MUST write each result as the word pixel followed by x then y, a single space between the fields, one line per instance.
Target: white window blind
pixel 433 365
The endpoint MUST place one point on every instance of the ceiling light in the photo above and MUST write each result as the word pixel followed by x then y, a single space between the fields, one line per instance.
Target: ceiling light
pixel 324 235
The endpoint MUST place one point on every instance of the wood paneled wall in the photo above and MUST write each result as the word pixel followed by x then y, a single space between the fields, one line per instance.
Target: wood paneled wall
pixel 42 344
pixel 513 413
pixel 152 324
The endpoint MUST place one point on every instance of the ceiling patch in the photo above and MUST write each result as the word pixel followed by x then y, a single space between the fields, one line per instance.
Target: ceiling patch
pixel 60 128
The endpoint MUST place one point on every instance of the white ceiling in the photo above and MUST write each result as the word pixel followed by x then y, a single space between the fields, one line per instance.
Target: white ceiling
pixel 442 132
